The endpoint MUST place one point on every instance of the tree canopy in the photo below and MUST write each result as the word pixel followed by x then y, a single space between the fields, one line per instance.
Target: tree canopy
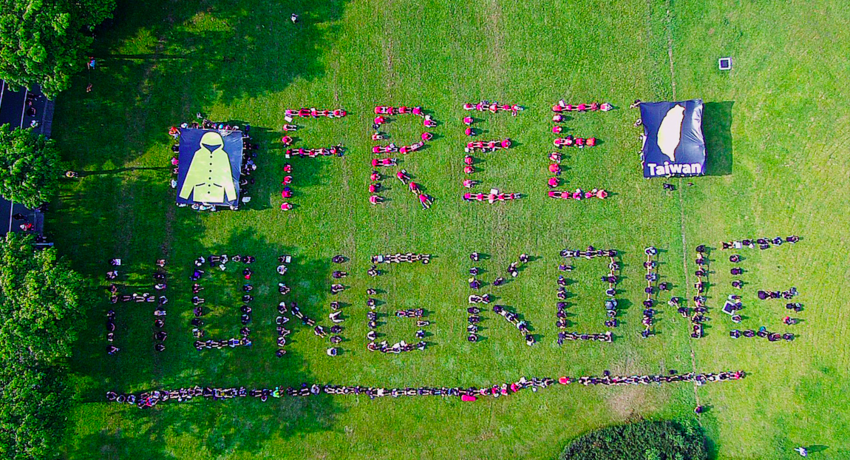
pixel 645 440
pixel 44 42
pixel 29 167
pixel 41 309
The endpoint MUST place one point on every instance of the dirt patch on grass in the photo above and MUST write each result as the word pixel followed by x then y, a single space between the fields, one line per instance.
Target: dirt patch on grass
pixel 626 402
pixel 493 16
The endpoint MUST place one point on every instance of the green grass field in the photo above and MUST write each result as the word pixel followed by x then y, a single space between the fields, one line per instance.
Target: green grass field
pixel 777 129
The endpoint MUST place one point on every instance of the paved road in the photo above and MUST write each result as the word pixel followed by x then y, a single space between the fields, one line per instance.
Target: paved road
pixel 20 109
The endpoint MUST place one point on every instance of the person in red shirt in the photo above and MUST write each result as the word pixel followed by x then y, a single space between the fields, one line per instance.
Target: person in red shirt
pixel 402 176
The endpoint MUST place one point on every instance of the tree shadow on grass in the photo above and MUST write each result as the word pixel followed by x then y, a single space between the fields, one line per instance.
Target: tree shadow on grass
pixel 208 428
pixel 213 429
pixel 162 61
pixel 717 129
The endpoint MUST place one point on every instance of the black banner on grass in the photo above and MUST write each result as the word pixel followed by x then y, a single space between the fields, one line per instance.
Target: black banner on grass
pixel 210 161
pixel 673 144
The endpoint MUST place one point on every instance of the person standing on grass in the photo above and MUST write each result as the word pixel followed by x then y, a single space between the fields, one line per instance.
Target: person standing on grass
pixel 802 451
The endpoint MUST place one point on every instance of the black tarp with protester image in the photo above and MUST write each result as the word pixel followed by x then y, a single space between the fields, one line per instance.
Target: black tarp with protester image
pixel 673 143
pixel 210 162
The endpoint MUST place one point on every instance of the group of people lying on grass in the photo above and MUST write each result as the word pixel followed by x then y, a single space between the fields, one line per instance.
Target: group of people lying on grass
pixel 404 149
pixel 160 280
pixel 472 393
pixel 521 325
pixel 570 141
pixel 735 271
pixel 578 194
pixel 607 337
pixel 221 261
pixel 589 253
pixel 136 297
pixel 761 333
pixel 763 243
pixel 376 176
pixel 401 110
pixel 702 269
pixel 672 376
pixel 110 332
pixel 696 315
pixel 789 294
pixel 563 106
pixel 384 162
pixel 428 121
pixel 332 332
pixel 315 113
pixel 513 270
pixel 396 348
pixel 206 124
pixel 380 120
pixel 399 258
pixel 210 344
pixel 417 314
pixel 651 277
pixel 424 199
pixel 491 197
pixel 286 193
pixel 493 107
pixel 487 146
pixel 611 279
pixel 336 150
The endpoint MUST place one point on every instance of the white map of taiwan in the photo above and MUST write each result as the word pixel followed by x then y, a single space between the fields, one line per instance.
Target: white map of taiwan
pixel 670 131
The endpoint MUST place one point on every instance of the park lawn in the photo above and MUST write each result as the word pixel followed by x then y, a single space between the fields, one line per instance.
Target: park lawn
pixel 777 131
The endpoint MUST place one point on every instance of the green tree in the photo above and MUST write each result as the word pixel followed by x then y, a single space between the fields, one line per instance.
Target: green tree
pixel 29 167
pixel 41 310
pixel 41 302
pixel 33 406
pixel 44 42
pixel 647 440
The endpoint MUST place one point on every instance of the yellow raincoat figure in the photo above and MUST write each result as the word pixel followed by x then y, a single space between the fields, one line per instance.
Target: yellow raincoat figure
pixel 209 175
